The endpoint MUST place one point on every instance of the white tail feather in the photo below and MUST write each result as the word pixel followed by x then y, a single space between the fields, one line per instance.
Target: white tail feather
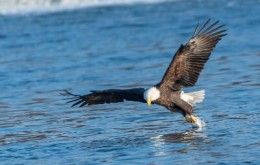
pixel 193 97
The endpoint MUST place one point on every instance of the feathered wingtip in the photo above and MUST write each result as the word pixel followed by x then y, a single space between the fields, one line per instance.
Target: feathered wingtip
pixel 72 98
pixel 67 93
pixel 214 28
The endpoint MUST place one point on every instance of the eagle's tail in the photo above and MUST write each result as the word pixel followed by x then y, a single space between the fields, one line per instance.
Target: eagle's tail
pixel 193 97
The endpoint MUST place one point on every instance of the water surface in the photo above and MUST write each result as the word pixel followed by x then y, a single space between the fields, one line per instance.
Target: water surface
pixel 120 47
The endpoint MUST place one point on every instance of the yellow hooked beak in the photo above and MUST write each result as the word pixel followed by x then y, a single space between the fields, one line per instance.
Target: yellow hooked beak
pixel 149 102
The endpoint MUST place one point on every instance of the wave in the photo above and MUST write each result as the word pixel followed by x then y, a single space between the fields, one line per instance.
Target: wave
pixel 14 7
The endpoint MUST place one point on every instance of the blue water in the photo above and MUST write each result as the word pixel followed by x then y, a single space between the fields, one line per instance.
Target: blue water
pixel 126 46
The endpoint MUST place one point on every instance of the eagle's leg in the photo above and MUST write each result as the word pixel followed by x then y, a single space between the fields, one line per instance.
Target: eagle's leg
pixel 189 117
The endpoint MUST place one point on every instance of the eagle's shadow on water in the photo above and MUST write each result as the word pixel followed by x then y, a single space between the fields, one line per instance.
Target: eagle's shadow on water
pixel 181 137
pixel 178 143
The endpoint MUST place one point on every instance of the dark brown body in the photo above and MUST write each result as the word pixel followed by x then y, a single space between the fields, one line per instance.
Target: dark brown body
pixel 171 100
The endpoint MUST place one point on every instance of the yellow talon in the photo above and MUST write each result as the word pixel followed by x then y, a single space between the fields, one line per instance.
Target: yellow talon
pixel 191 118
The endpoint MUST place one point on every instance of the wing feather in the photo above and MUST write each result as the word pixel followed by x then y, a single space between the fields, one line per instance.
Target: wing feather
pixel 190 58
pixel 105 96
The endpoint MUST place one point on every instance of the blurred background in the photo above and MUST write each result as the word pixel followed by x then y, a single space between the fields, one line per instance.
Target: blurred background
pixel 50 45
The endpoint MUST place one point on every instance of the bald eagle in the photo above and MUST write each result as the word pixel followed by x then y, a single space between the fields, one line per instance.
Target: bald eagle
pixel 183 71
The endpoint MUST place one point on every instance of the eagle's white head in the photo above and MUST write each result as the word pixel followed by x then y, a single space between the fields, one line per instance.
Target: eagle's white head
pixel 151 95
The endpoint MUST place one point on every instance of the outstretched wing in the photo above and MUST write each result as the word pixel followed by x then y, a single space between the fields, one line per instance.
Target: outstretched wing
pixel 190 58
pixel 106 96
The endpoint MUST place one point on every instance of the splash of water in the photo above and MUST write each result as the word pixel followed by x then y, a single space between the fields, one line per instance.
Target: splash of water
pixel 199 123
